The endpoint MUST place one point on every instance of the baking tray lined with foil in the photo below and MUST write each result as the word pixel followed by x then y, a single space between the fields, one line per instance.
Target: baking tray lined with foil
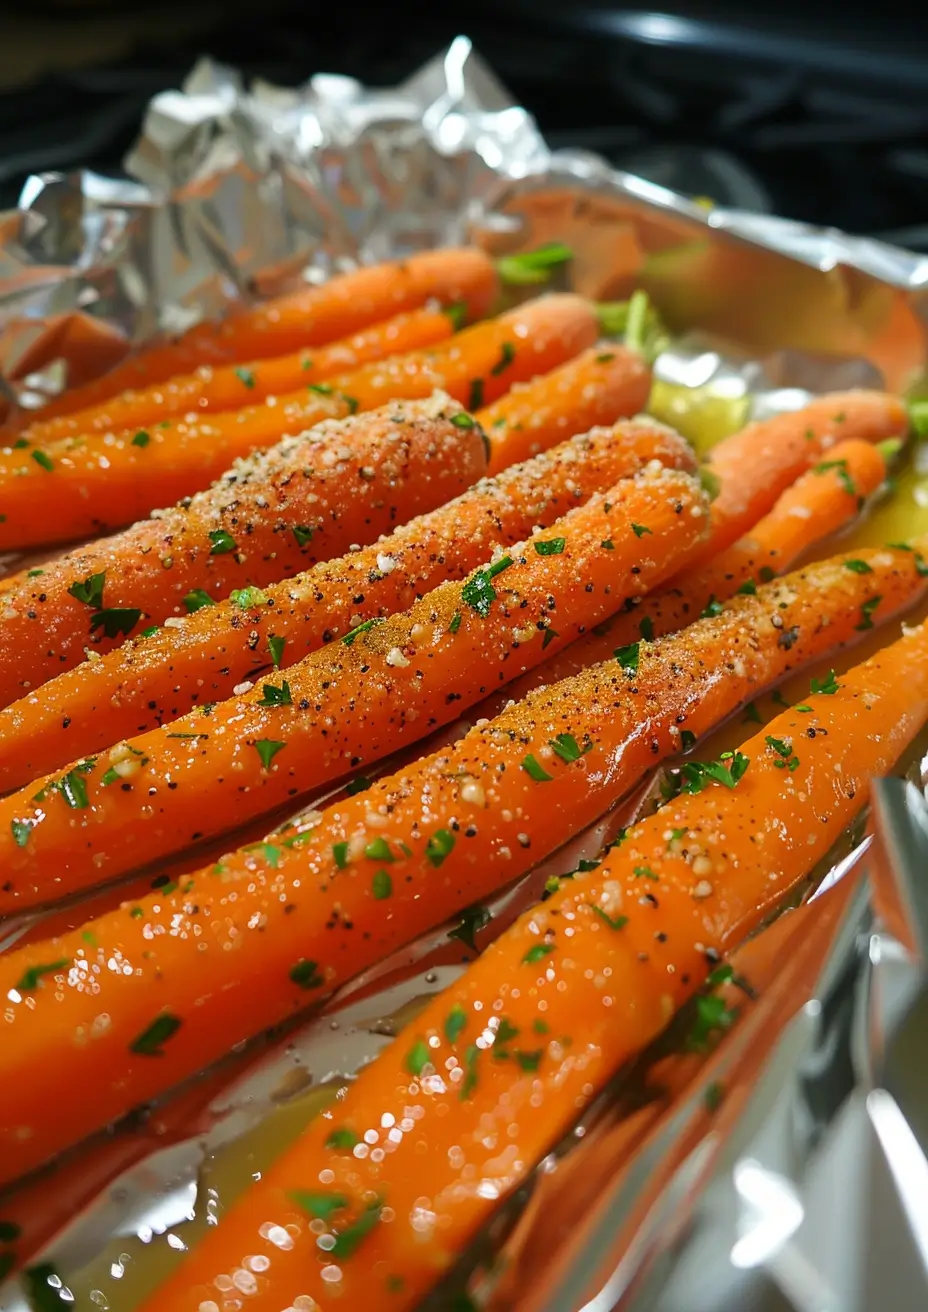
pixel 701 1169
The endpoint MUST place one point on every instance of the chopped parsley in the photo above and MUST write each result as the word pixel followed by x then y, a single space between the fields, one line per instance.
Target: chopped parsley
pixel 766 574
pixel 475 400
pixel 528 1061
pixel 728 770
pixel 614 922
pixel 319 1205
pixel 246 598
pixel 858 567
pixel 824 687
pixel 550 635
pixel 321 389
pixel 646 629
pixel 866 614
pixel 115 620
pixel 222 542
pixel 628 657
pixel 506 357
pixel 842 474
pixel 343 1138
pixel 455 623
pixel 274 696
pixel 44 460
pixel 748 588
pixel 348 1240
pixel 20 829
pixel 73 788
pixel 89 590
pixel 479 592
pixel 305 974
pixel 29 981
pixel 463 420
pixel 141 438
pixel 711 609
pixel 276 647
pixel 784 751
pixel 553 547
pixel 472 921
pixel 535 770
pixel 712 1015
pixel 439 846
pixel 382 885
pixel 607 544
pixel 245 375
pixel 645 872
pixel 197 599
pixel 469 1083
pixel 532 267
pixel 536 952
pixel 267 749
pixel 639 530
pixel 151 1040
pixel 303 533
pixel 568 749
pixel 455 1024
pixel 340 855
pixel 418 1057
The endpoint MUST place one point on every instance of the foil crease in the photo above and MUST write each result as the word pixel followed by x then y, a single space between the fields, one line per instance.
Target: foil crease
pixel 787 1167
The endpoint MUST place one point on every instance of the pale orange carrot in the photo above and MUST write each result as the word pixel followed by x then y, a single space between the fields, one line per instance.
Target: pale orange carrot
pixel 242 945
pixel 455 1114
pixel 384 685
pixel 314 316
pixel 91 483
pixel 230 387
pixel 306 500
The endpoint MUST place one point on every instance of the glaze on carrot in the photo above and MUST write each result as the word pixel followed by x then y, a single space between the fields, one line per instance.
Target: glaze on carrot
pixel 148 681
pixel 382 686
pixel 309 498
pixel 244 944
pixel 456 1113
pixel 754 466
pixel 230 387
pixel 819 504
pixel 311 317
pixel 89 484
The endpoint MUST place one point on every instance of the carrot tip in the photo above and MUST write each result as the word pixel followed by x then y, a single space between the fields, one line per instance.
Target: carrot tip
pixel 890 448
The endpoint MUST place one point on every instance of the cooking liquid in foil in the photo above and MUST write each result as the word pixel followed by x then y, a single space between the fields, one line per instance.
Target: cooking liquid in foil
pixel 657 1176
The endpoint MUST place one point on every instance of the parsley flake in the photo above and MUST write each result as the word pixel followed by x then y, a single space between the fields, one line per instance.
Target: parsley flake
pixel 568 749
pixel 535 770
pixel 553 547
pixel 149 1043
pixel 639 530
pixel 382 885
pixel 274 696
pixel 276 647
pixel 628 657
pixel 305 974
pixel 141 438
pixel 197 599
pixel 222 542
pixel 439 846
pixel 89 590
pixel 267 749
pixel 866 614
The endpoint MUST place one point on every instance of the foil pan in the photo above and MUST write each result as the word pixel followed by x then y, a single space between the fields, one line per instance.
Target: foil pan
pixel 786 1167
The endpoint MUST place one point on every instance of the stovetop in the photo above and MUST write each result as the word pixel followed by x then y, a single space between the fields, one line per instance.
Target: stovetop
pixel 762 114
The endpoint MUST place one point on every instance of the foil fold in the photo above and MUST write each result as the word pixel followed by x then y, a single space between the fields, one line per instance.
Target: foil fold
pixel 786 1167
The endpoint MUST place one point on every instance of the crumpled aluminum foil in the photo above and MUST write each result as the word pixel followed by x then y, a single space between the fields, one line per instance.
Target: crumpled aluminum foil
pixel 806 1185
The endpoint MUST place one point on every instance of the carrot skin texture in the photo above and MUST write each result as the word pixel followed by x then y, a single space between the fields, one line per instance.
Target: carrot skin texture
pixel 230 387
pixel 308 318
pixel 350 704
pixel 308 499
pixel 96 482
pixel 756 465
pixel 599 995
pixel 97 703
pixel 520 425
pixel 820 502
pixel 281 907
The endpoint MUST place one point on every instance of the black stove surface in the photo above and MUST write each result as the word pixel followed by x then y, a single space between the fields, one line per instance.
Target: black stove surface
pixel 828 125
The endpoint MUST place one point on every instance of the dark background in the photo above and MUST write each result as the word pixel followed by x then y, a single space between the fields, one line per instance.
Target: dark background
pixel 813 111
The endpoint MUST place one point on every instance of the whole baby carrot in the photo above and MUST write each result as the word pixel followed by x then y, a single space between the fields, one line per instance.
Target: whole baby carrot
pixel 147 681
pixel 91 483
pixel 754 466
pixel 819 503
pixel 379 688
pixel 229 387
pixel 189 971
pixel 309 498
pixel 313 316
pixel 455 1114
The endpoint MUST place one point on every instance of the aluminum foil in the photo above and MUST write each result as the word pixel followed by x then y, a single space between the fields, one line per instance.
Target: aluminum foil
pixel 784 1169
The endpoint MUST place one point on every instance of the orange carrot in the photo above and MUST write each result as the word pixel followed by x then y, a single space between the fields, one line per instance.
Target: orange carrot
pixel 309 498
pixel 381 687
pixel 520 425
pixel 311 317
pixel 818 504
pixel 241 946
pixel 148 681
pixel 87 484
pixel 754 466
pixel 230 387
pixel 455 1114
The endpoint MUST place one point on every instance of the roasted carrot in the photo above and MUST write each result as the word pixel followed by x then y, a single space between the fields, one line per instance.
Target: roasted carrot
pixel 87 484
pixel 150 680
pixel 230 387
pixel 311 317
pixel 533 416
pixel 242 945
pixel 754 466
pixel 455 1114
pixel 819 503
pixel 382 686
pixel 307 499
